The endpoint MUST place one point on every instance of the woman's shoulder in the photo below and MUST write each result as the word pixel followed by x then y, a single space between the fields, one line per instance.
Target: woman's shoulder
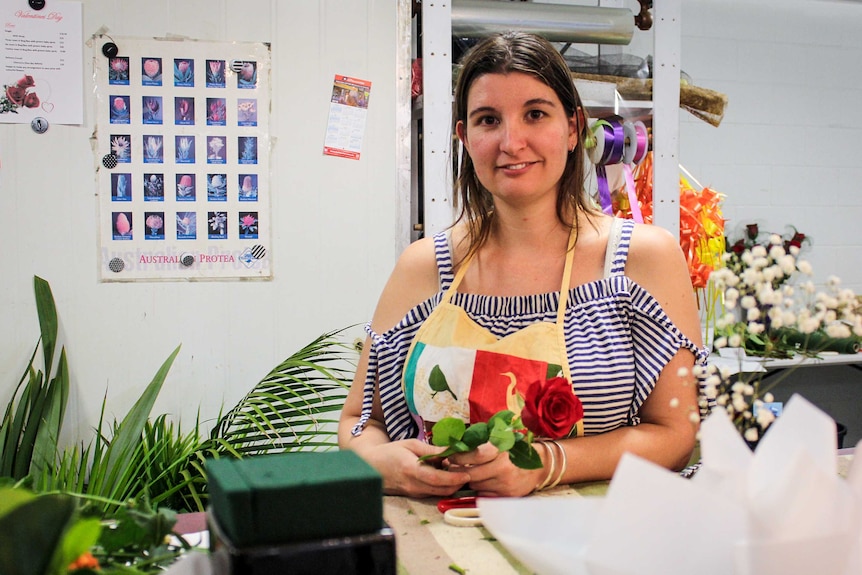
pixel 657 264
pixel 651 242
pixel 655 259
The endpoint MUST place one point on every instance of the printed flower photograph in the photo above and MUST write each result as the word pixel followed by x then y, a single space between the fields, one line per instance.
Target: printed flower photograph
pixel 155 222
pixel 248 224
pixel 184 72
pixel 19 94
pixel 118 70
pixel 247 77
pixel 215 74
pixel 151 69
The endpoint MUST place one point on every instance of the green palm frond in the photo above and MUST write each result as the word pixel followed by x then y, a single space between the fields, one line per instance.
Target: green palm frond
pixel 297 405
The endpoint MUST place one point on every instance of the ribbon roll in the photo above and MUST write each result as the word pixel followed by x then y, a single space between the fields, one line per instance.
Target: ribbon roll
pixel 634 149
pixel 610 146
pixel 642 146
pixel 630 143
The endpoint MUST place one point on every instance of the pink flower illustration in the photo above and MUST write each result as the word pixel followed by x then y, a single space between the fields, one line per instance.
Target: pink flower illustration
pixel 151 67
pixel 119 64
pixel 123 226
pixel 247 71
pixel 22 93
pixel 16 95
pixel 31 100
pixel 154 222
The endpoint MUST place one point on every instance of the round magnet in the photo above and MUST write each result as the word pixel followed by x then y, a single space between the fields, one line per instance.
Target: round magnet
pixel 187 259
pixel 39 125
pixel 37 4
pixel 116 265
pixel 109 49
pixel 109 161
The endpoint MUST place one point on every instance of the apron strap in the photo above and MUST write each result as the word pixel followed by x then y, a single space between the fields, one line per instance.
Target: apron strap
pixel 564 300
pixel 456 281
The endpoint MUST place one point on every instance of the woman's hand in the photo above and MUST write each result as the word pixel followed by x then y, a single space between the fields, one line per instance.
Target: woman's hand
pixel 403 473
pixel 492 474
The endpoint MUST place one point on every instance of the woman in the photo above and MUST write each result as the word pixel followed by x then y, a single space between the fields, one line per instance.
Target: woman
pixel 530 278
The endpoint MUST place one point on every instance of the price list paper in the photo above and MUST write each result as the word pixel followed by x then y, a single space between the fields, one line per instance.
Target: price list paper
pixel 41 63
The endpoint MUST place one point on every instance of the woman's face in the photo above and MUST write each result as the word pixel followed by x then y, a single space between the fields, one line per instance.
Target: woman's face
pixel 518 136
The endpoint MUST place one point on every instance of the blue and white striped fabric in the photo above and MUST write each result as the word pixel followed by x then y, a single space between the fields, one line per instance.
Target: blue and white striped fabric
pixel 618 340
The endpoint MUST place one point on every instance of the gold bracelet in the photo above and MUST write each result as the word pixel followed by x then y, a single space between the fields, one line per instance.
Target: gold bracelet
pixel 553 457
pixel 564 462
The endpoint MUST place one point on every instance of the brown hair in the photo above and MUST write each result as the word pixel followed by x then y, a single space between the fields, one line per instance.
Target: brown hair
pixel 529 54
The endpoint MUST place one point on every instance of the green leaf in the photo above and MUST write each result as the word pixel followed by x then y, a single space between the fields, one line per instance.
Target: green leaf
pixel 114 470
pixel 48 434
pixel 11 498
pixel 80 538
pixel 447 431
pixel 476 435
pixel 505 416
pixel 37 526
pixel 502 434
pixel 286 411
pixel 460 447
pixel 503 438
pixel 48 323
pixel 525 456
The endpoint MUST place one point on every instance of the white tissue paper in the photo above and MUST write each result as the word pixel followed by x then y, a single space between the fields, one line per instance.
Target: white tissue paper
pixel 781 510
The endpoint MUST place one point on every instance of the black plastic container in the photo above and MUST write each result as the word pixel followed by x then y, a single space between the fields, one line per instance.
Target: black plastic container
pixel 366 554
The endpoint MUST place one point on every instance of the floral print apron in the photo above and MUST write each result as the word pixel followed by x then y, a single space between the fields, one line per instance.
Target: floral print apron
pixel 456 368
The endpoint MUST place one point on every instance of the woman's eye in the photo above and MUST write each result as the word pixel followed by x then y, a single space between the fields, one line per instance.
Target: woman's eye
pixel 535 114
pixel 487 121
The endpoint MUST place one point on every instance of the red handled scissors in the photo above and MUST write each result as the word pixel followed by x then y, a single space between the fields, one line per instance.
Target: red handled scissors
pixel 460 511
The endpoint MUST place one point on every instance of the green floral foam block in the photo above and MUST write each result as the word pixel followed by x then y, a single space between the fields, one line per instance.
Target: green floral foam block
pixel 291 497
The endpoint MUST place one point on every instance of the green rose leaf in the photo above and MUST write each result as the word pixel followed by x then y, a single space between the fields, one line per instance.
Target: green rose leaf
pixel 476 435
pixel 447 431
pixel 525 456
pixel 502 435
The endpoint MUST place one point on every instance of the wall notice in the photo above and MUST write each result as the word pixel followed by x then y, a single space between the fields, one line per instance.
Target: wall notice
pixel 183 148
pixel 41 63
pixel 348 108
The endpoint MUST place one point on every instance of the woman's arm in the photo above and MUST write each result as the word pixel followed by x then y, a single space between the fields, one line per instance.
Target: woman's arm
pixel 413 281
pixel 669 416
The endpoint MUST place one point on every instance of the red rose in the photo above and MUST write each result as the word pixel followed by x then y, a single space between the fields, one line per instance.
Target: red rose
pixel 752 230
pixel 15 95
pixel 26 81
pixel 31 100
pixel 551 408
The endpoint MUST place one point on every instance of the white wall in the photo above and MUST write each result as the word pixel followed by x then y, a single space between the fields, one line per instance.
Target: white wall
pixel 787 151
pixel 338 224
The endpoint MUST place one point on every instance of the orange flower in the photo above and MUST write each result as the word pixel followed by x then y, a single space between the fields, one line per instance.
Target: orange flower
pixel 85 561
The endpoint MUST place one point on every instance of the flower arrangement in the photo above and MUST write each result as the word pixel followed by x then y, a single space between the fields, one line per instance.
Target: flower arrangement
pixel 550 410
pixel 769 314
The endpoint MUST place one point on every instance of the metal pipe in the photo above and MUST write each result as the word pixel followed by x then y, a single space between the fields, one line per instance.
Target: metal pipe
pixel 554 22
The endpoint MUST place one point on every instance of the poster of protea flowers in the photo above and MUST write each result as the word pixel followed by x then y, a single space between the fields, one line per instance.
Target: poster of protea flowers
pixel 183 159
pixel 50 86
